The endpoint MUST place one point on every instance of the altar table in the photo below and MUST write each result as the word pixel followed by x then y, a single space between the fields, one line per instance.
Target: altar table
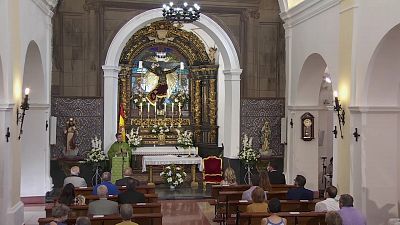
pixel 164 150
pixel 172 159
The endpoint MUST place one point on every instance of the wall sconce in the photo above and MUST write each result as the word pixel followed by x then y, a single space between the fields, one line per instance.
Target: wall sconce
pixel 340 112
pixel 21 115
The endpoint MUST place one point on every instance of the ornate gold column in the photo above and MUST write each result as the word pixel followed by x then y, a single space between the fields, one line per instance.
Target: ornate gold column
pixel 213 110
pixel 197 111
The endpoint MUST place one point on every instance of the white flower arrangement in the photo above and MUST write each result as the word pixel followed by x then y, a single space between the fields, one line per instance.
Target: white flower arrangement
pixel 139 99
pixel 181 97
pixel 134 139
pixel 160 129
pixel 173 175
pixel 185 139
pixel 248 155
pixel 96 154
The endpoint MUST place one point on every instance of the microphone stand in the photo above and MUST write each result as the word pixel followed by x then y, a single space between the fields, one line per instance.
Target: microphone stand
pixel 179 155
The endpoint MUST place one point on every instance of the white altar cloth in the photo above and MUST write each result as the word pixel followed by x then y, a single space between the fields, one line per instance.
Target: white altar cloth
pixel 163 150
pixel 170 159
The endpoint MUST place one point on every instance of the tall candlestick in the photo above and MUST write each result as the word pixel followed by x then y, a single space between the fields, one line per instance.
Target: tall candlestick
pixel 148 114
pixel 148 107
pixel 141 115
pixel 155 110
pixel 172 117
pixel 165 110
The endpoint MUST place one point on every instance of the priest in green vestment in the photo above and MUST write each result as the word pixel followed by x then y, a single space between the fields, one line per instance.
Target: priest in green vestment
pixel 119 148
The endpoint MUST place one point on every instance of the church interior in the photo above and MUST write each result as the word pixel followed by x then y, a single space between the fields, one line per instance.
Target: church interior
pixel 195 101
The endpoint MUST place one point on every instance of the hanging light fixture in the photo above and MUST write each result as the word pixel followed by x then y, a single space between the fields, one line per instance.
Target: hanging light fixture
pixel 181 13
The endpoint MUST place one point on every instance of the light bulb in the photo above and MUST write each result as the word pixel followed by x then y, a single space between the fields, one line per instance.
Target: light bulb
pixel 335 94
pixel 171 4
pixel 185 4
pixel 27 90
pixel 164 6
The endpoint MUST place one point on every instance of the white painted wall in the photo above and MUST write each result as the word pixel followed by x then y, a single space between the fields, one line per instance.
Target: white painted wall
pixel 314 27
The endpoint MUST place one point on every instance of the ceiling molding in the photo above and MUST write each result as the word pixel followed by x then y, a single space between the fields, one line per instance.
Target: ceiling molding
pixel 306 10
pixel 306 108
pixel 374 109
pixel 46 6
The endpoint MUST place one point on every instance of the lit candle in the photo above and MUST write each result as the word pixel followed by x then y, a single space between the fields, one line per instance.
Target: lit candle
pixel 182 66
pixel 148 107
pixel 140 64
pixel 165 110
pixel 155 110
pixel 172 117
pixel 172 109
pixel 179 108
pixel 141 108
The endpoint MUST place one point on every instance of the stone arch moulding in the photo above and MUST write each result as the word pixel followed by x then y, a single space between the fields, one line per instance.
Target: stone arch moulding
pixel 382 72
pixel 2 84
pixel 309 81
pixel 231 72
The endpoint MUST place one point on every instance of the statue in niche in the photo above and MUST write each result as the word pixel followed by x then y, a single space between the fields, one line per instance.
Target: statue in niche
pixel 71 133
pixel 265 137
pixel 161 90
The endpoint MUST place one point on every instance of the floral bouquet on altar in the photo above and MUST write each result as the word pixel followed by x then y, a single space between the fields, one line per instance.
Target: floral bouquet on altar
pixel 185 139
pixel 134 139
pixel 138 99
pixel 160 129
pixel 96 154
pixel 248 155
pixel 173 175
pixel 181 97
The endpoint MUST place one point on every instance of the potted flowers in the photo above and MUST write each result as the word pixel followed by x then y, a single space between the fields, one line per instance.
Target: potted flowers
pixel 160 130
pixel 248 156
pixel 185 139
pixel 173 175
pixel 134 139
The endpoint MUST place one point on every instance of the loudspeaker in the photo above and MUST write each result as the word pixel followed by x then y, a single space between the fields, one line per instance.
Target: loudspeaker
pixel 53 130
pixel 283 130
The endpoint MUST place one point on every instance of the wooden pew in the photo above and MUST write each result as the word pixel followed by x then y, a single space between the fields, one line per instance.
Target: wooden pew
pixel 295 218
pixel 282 187
pixel 145 189
pixel 149 198
pixel 239 206
pixel 82 210
pixel 142 219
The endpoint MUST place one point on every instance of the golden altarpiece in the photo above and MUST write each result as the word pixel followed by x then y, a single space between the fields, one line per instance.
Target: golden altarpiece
pixel 168 81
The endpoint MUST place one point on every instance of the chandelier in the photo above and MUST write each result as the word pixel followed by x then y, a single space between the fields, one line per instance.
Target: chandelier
pixel 181 14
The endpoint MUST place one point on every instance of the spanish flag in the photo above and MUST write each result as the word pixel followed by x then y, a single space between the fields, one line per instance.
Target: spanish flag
pixel 121 126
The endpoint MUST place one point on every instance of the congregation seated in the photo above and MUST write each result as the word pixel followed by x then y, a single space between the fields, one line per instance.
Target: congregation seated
pixel 106 180
pixel 59 214
pixel 103 206
pixel 349 214
pixel 274 206
pixel 126 213
pixel 330 203
pixel 128 174
pixel 333 218
pixel 67 196
pixel 83 220
pixel 275 177
pixel 131 196
pixel 299 192
pixel 229 177
pixel 74 178
pixel 259 204
pixel 263 183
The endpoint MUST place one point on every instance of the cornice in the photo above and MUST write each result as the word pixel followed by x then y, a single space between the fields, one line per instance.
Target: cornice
pixel 306 108
pixel 306 10
pixel 374 109
pixel 46 6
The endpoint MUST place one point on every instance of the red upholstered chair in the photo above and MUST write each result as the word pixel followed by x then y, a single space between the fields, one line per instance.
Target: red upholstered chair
pixel 212 170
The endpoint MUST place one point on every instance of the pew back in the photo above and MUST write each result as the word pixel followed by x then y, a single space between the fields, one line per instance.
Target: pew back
pixel 298 218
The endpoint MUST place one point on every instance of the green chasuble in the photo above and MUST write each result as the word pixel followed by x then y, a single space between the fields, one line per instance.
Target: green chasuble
pixel 115 149
pixel 116 161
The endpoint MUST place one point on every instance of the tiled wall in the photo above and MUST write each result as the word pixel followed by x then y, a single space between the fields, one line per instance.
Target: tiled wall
pixel 254 113
pixel 88 114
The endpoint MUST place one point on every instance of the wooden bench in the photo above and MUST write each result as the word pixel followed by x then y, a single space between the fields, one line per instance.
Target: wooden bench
pixel 142 219
pixel 295 218
pixel 149 198
pixel 286 205
pixel 82 210
pixel 145 189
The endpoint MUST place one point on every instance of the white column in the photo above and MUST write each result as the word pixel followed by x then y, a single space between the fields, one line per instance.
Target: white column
pixel 110 104
pixel 232 113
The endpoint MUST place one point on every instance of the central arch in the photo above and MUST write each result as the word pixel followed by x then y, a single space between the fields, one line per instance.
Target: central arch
pixel 231 72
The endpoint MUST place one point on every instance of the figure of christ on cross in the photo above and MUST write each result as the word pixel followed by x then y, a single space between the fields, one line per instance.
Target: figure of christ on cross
pixel 159 93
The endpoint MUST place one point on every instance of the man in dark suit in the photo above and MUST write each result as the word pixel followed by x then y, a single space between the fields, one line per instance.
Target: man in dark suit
pixel 131 196
pixel 127 175
pixel 299 192
pixel 275 177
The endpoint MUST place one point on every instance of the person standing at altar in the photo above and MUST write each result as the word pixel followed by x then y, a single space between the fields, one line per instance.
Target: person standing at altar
pixel 119 148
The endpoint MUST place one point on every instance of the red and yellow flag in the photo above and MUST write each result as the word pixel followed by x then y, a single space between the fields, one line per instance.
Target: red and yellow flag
pixel 121 126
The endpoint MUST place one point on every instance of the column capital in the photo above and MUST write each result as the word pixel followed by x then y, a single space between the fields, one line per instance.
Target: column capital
pixel 111 71
pixel 232 75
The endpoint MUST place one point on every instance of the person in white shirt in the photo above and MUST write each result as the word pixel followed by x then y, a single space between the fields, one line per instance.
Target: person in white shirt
pixel 330 203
